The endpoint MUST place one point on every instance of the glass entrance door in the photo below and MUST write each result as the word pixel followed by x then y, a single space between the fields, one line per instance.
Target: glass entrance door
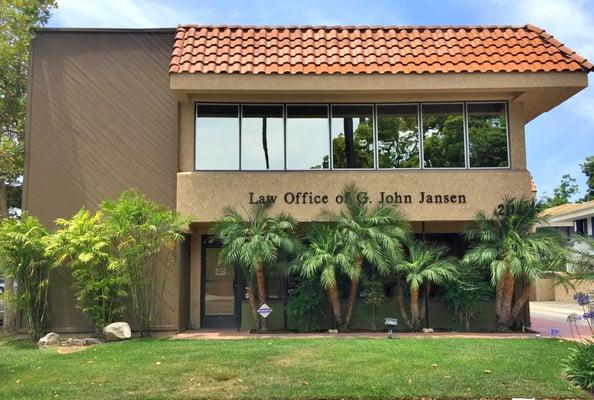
pixel 219 286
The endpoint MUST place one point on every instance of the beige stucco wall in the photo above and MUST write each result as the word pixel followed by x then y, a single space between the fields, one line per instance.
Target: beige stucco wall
pixel 202 195
pixel 542 290
pixel 565 295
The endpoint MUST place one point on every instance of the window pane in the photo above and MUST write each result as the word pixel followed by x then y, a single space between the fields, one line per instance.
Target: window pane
pixel 352 137
pixel 217 137
pixel 262 141
pixel 443 136
pixel 398 136
pixel 308 144
pixel 487 135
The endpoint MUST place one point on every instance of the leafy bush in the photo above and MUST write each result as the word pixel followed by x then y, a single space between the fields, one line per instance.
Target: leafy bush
pixel 579 366
pixel 85 244
pixel 146 234
pixel 373 295
pixel 305 304
pixel 23 259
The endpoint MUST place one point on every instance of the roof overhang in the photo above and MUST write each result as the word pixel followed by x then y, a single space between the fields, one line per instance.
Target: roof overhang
pixel 539 91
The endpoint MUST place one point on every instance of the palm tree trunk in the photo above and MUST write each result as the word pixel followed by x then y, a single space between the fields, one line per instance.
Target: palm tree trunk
pixel 335 302
pixel 400 298
pixel 423 303
pixel 353 294
pixel 261 281
pixel 506 293
pixel 520 303
pixel 10 315
pixel 414 308
pixel 253 306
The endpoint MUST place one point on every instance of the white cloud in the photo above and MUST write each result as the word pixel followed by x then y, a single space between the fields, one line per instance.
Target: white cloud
pixel 115 14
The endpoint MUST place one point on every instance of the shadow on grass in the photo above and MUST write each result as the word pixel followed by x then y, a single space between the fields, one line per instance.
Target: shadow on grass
pixel 16 343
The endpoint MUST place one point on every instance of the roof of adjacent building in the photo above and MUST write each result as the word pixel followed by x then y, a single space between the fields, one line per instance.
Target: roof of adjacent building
pixel 370 49
pixel 564 209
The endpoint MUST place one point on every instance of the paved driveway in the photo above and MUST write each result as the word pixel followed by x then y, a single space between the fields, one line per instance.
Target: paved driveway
pixel 550 314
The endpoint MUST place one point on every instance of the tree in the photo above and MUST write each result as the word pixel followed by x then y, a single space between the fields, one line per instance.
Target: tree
pixel 374 233
pixel 588 170
pixel 325 257
pixel 146 234
pixel 506 242
pixel 85 244
pixel 255 243
pixel 561 194
pixel 23 260
pixel 18 19
pixel 423 264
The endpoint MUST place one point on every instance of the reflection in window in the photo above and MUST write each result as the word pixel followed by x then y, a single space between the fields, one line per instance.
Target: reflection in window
pixel 307 137
pixel 217 137
pixel 487 134
pixel 262 137
pixel 352 136
pixel 443 136
pixel 398 136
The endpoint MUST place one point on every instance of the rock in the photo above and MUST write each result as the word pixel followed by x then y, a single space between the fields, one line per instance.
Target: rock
pixel 427 330
pixel 51 339
pixel 117 331
pixel 90 341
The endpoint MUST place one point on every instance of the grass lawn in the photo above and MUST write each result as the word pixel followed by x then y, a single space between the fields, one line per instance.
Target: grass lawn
pixel 289 368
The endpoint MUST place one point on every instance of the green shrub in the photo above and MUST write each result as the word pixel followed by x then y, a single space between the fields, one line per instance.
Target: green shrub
pixel 579 366
pixel 305 304
pixel 23 259
pixel 84 244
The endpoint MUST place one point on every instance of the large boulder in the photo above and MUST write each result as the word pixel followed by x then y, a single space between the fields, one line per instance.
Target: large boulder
pixel 117 331
pixel 51 339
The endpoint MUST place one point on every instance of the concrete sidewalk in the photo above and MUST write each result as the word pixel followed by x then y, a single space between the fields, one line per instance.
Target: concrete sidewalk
pixel 546 315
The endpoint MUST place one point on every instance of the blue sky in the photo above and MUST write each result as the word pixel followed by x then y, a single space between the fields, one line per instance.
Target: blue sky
pixel 557 141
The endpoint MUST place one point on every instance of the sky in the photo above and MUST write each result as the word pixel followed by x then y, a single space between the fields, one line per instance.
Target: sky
pixel 557 141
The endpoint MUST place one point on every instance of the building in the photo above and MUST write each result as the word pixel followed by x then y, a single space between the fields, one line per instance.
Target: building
pixel 199 117
pixel 570 220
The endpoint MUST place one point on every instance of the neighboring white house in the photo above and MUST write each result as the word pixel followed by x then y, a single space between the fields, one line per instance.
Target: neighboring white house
pixel 568 219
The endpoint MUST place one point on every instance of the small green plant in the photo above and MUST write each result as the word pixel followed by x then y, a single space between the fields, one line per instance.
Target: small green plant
pixel 373 295
pixel 305 305
pixel 23 260
pixel 100 283
pixel 467 293
pixel 146 234
pixel 579 366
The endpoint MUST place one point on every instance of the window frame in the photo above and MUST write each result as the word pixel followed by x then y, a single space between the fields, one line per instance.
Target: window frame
pixel 464 134
pixel 284 117
pixel 507 138
pixel 373 134
pixel 327 106
pixel 419 136
pixel 374 106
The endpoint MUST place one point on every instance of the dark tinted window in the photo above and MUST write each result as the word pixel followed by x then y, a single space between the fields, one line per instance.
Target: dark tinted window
pixel 352 136
pixel 262 137
pixel 487 134
pixel 443 136
pixel 398 136
pixel 308 137
pixel 217 137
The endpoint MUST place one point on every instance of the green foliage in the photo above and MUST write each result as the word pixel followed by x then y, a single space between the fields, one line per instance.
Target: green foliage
pixel 87 246
pixel 579 366
pixel 306 304
pixel 443 141
pixel 588 170
pixel 467 293
pixel 507 243
pixel 561 194
pixel 423 264
pixel 398 141
pixel 374 295
pixel 23 259
pixel 146 234
pixel 259 238
pixel 487 140
pixel 362 140
pixel 17 21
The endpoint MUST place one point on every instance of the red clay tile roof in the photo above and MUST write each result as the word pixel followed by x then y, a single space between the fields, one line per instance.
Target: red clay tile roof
pixel 357 50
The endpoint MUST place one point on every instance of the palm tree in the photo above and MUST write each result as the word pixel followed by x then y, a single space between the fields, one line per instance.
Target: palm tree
pixel 507 243
pixel 424 264
pixel 254 243
pixel 374 233
pixel 326 257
